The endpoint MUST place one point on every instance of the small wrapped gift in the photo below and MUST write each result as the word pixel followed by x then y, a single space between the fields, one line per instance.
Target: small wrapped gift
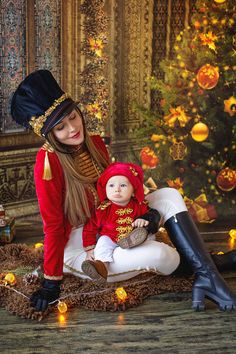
pixel 7 232
pixel 200 210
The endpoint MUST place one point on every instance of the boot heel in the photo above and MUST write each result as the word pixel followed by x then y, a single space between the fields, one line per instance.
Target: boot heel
pixel 198 297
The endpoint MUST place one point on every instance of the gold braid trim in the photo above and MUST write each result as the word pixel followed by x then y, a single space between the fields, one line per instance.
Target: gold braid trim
pixel 38 122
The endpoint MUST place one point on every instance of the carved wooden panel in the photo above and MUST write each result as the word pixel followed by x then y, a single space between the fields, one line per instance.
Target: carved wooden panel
pixel 131 37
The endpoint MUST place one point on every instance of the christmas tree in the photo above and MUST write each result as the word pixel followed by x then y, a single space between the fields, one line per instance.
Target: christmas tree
pixel 190 140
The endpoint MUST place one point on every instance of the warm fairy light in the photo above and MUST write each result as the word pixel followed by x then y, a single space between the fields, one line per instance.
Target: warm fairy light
pixel 121 294
pixel 62 307
pixel 10 279
pixel 232 234
pixel 220 252
pixel 38 245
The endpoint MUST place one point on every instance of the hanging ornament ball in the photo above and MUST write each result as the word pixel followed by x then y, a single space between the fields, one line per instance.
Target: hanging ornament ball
pixel 219 1
pixel 226 179
pixel 208 76
pixel 62 307
pixel 200 132
pixel 148 157
pixel 10 279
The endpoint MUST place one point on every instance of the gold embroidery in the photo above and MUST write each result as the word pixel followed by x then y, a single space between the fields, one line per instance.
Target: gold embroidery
pixel 124 211
pixel 38 122
pixel 124 229
pixel 104 205
pixel 132 169
pixel 127 220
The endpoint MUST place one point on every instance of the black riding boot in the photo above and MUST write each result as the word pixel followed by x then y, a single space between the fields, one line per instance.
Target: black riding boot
pixel 208 282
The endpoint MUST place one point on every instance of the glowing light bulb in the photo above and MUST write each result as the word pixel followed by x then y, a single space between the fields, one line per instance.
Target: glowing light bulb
pixel 38 245
pixel 10 279
pixel 121 294
pixel 62 307
pixel 220 252
pixel 232 233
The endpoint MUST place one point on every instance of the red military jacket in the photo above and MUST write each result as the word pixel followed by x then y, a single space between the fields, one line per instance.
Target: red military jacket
pixel 112 220
pixel 51 197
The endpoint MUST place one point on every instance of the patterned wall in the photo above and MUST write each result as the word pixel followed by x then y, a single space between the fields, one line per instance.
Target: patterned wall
pixel 12 56
pixel 30 35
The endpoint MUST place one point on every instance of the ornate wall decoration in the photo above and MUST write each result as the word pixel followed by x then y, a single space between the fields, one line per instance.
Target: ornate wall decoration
pixel 17 180
pixel 12 57
pixel 47 31
pixel 132 63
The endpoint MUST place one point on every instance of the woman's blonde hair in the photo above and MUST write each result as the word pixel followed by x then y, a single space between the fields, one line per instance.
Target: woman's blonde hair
pixel 76 205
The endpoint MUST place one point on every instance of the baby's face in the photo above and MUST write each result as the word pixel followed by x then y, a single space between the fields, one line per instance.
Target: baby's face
pixel 119 190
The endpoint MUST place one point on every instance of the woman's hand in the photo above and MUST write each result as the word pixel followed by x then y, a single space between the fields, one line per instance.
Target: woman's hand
pixel 140 223
pixel 90 255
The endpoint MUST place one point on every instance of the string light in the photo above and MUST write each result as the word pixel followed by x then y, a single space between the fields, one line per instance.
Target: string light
pixel 62 307
pixel 232 234
pixel 121 294
pixel 38 245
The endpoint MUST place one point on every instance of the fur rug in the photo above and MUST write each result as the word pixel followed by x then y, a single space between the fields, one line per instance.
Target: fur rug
pixel 21 260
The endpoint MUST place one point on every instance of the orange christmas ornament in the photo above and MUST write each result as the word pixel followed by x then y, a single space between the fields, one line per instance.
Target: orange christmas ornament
pixel 200 132
pixel 230 106
pixel 208 76
pixel 226 179
pixel 148 157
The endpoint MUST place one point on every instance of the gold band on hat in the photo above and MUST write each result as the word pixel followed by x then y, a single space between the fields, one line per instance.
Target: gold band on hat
pixel 38 122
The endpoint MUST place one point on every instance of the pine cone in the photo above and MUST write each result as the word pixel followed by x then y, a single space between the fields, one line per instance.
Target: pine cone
pixel 30 279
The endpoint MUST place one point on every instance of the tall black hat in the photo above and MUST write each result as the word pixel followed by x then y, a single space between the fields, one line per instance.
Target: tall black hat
pixel 40 103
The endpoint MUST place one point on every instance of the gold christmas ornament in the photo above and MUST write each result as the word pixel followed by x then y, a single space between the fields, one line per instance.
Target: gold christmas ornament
pixel 208 76
pixel 200 132
pixel 208 39
pixel 176 114
pixel 178 151
pixel 219 1
pixel 230 106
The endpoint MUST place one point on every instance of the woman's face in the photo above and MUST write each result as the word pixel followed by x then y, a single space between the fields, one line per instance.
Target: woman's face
pixel 70 130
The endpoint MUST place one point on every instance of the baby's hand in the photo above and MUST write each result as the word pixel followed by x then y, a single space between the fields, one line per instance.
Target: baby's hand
pixel 140 223
pixel 90 255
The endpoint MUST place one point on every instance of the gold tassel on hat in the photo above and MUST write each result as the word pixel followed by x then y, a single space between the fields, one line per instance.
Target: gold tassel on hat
pixel 47 173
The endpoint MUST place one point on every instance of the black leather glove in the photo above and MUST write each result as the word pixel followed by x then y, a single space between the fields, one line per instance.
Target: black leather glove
pixel 153 217
pixel 48 293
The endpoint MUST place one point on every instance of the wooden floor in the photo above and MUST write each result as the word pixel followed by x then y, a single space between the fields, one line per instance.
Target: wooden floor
pixel 162 324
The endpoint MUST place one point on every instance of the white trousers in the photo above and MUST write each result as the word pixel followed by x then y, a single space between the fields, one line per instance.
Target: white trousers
pixel 126 263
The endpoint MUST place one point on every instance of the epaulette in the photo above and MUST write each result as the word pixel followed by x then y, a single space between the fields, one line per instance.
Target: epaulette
pixel 93 133
pixel 104 205
pixel 47 172
pixel 46 146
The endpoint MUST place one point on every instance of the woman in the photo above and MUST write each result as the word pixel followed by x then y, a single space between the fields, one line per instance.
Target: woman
pixel 66 172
